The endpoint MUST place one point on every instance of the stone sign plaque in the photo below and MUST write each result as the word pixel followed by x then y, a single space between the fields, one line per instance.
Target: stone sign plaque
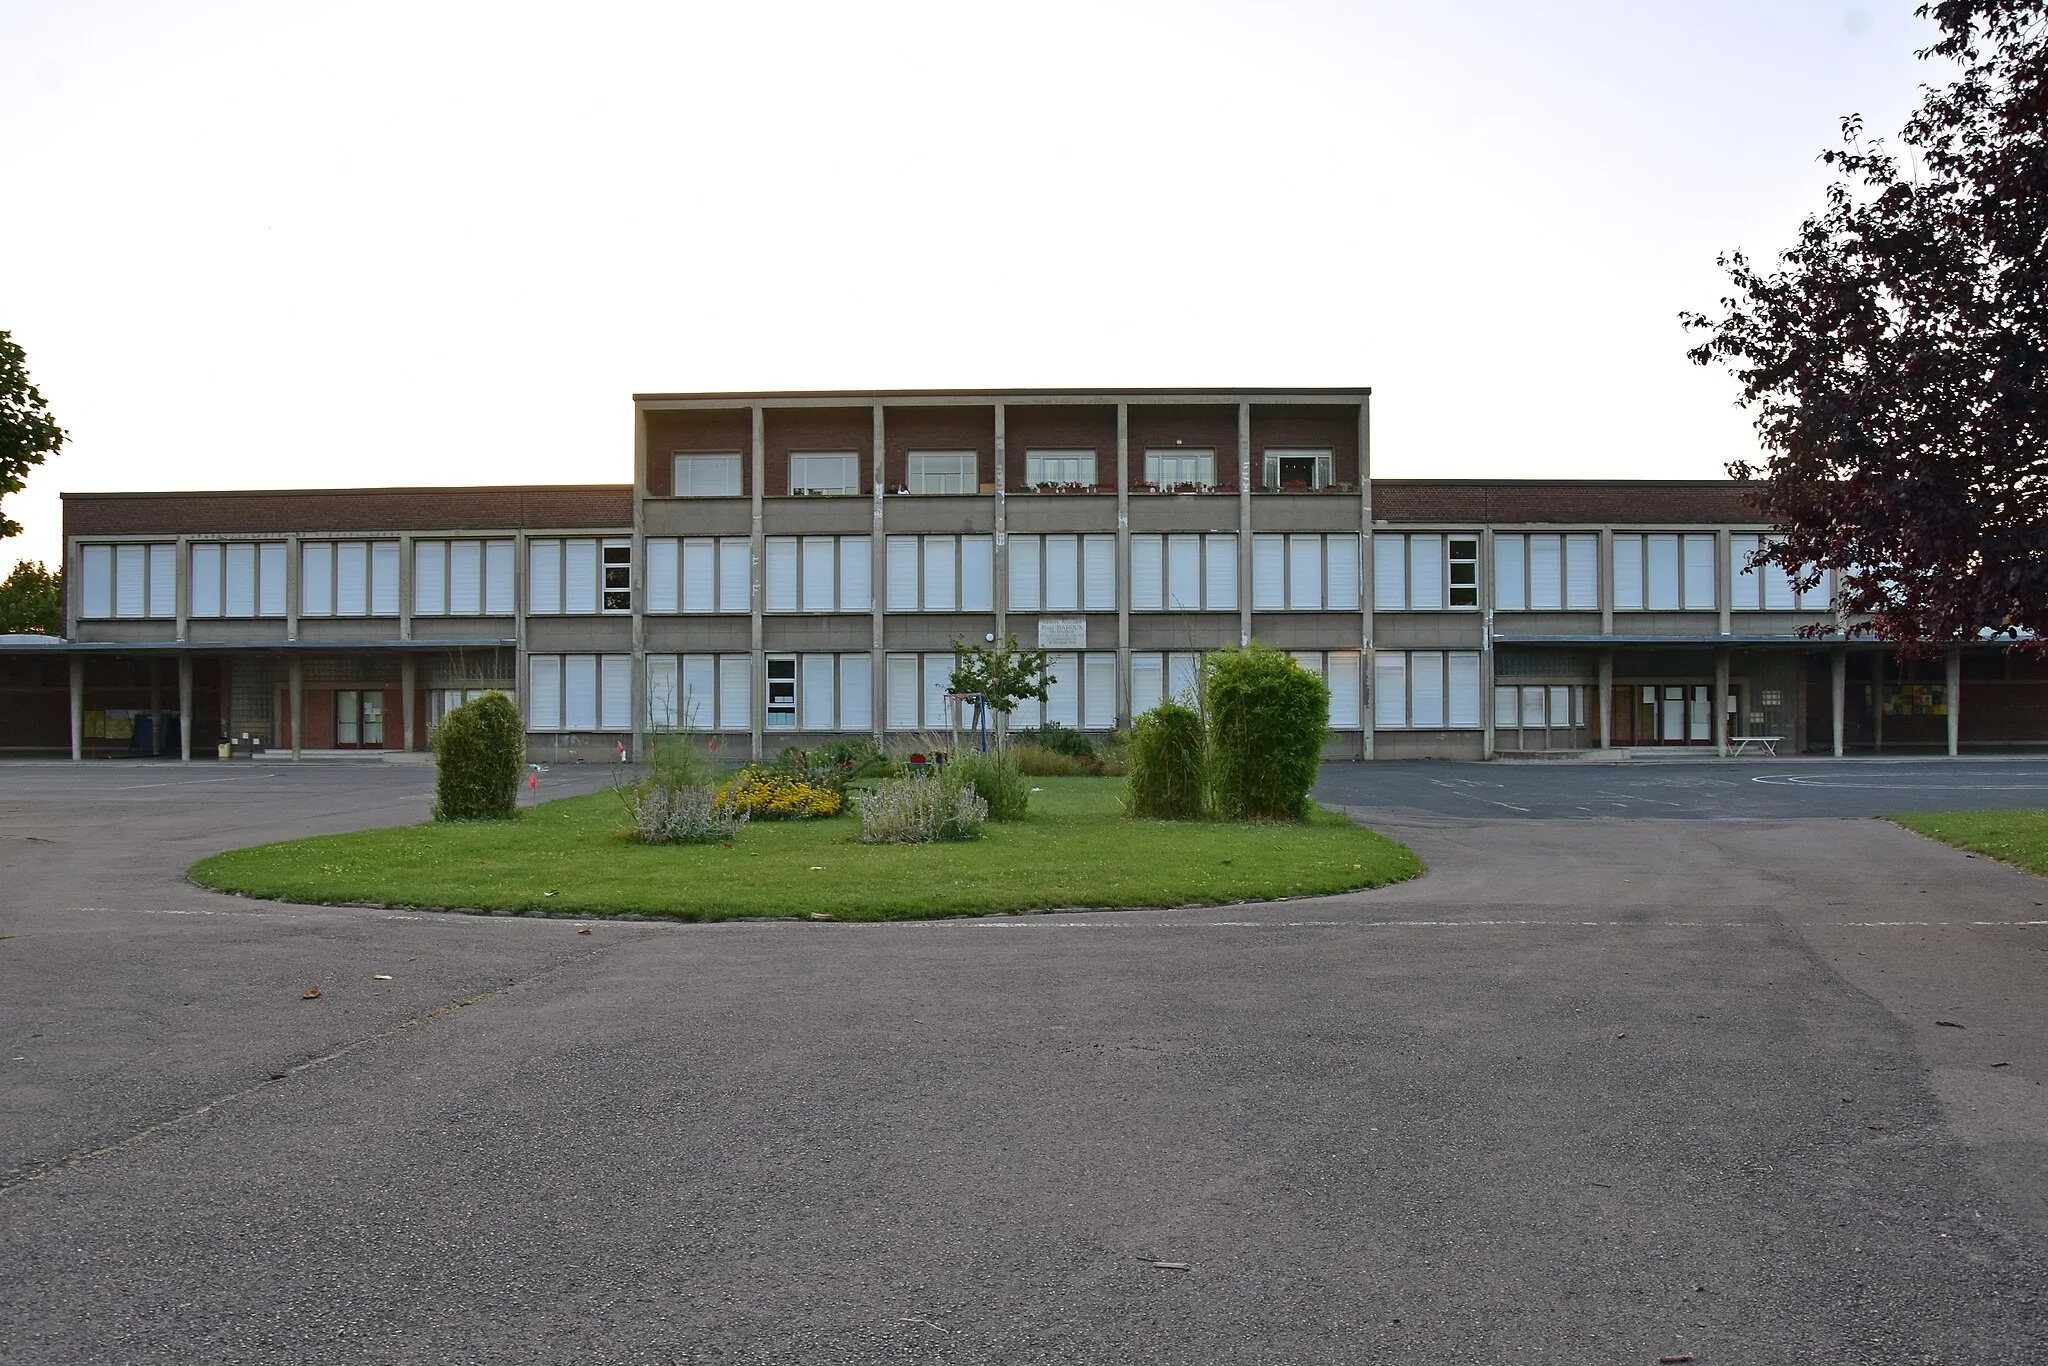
pixel 1063 633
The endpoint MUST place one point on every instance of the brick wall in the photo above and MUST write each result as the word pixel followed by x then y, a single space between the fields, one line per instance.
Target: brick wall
pixel 1332 427
pixel 1584 501
pixel 1161 425
pixel 346 510
pixel 1059 427
pixel 938 429
pixel 815 429
pixel 710 430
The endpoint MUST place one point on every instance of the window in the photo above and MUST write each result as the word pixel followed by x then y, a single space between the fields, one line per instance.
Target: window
pixel 1063 573
pixel 1296 471
pixel 579 693
pixel 1546 573
pixel 781 714
pixel 1080 693
pixel 702 574
pixel 1425 571
pixel 1305 573
pixel 238 579
pixel 834 472
pixel 129 580
pixel 461 578
pixel 1426 690
pixel 618 576
pixel 707 476
pixel 1179 470
pixel 1343 672
pixel 915 687
pixel 349 578
pixel 1157 677
pixel 563 575
pixel 1664 572
pixel 1059 468
pixel 943 472
pixel 1539 707
pixel 941 573
pixel 1768 587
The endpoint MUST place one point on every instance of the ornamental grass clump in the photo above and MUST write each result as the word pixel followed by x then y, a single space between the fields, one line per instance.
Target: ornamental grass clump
pixel 479 755
pixel 1163 778
pixel 1268 719
pixel 997 781
pixel 683 815
pixel 777 794
pixel 919 810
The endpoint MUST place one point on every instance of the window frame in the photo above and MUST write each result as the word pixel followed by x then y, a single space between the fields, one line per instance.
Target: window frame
pixel 1035 471
pixel 804 488
pixel 966 468
pixel 679 461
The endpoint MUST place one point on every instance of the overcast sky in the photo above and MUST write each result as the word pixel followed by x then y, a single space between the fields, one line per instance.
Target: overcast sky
pixel 271 246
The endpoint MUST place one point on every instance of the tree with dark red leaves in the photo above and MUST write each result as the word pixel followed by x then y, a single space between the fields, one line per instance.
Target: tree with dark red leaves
pixel 1896 358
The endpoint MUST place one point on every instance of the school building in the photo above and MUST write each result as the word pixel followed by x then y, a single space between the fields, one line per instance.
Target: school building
pixel 790 567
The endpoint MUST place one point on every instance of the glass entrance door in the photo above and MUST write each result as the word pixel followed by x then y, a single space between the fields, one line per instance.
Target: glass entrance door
pixel 358 719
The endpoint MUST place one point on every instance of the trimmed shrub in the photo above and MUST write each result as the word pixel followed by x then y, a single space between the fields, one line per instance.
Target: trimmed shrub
pixel 997 781
pixel 1164 764
pixel 918 810
pixel 682 815
pixel 776 794
pixel 479 755
pixel 1268 719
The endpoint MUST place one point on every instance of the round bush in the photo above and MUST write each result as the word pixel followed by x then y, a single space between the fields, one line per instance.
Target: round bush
pixel 479 754
pixel 1268 719
pixel 1163 770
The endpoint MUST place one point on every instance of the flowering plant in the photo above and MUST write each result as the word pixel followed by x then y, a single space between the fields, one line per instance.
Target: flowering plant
pixel 775 794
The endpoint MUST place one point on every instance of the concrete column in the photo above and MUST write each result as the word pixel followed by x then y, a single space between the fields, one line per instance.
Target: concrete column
pixel 77 708
pixel 878 579
pixel 1877 699
pixel 1484 593
pixel 156 707
pixel 405 585
pixel 298 685
pixel 637 668
pixel 1244 522
pixel 1001 589
pixel 1606 572
pixel 1365 561
pixel 291 587
pixel 1123 561
pixel 408 681
pixel 1838 669
pixel 757 710
pixel 1955 702
pixel 1721 702
pixel 1606 699
pixel 1724 561
pixel 184 709
pixel 184 599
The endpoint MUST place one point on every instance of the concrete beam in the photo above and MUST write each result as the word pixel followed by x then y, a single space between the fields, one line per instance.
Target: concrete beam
pixel 184 709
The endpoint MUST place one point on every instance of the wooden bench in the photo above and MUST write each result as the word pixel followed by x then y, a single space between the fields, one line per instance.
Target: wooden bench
pixel 1767 743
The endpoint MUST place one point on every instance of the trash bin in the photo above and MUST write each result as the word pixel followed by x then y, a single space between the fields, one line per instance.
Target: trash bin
pixel 227 748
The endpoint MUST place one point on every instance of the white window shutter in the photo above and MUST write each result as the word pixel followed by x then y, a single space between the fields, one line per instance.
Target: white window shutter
pixel 579 692
pixel 1184 573
pixel 940 589
pixel 384 578
pixel 316 578
pixel 735 691
pixel 1389 573
pixel 735 574
pixel 543 576
pixel 1098 692
pixel 129 580
pixel 1344 683
pixel 615 673
pixel 1700 578
pixel 1148 679
pixel 241 594
pixel 544 692
pixel 1510 576
pixel 1663 572
pixel 1628 572
pixel 498 595
pixel 1581 573
pixel 937 669
pixel 1026 558
pixel 270 557
pixel 579 578
pixel 977 574
pixel 1063 690
pixel 856 575
pixel 1546 573
pixel 1304 572
pixel 662 701
pixel 1819 598
pixel 430 577
pixel 902 573
pixel 815 700
pixel 1426 573
pixel 821 591
pixel 1390 690
pixel 1426 688
pixel 1098 573
pixel 465 578
pixel 856 686
pixel 163 580
pixel 1269 573
pixel 1340 563
pixel 1744 584
pixel 1221 573
pixel 1778 595
pixel 697 708
pixel 1148 573
pixel 206 580
pixel 96 577
pixel 901 684
pixel 663 563
pixel 698 569
pixel 1184 677
pixel 1462 694
pixel 778 574
pixel 352 579
pixel 1062 573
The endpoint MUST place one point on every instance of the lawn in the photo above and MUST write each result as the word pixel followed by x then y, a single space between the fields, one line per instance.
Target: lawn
pixel 1074 850
pixel 2016 837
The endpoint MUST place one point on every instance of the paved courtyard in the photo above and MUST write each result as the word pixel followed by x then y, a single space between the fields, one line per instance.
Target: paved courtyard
pixel 1657 1061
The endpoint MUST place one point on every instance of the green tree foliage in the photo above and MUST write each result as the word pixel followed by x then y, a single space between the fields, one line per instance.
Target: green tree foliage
pixel 479 756
pixel 1896 357
pixel 1163 779
pixel 32 601
pixel 1268 719
pixel 27 434
pixel 1003 674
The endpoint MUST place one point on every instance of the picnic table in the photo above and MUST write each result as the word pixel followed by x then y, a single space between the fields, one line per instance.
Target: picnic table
pixel 1767 743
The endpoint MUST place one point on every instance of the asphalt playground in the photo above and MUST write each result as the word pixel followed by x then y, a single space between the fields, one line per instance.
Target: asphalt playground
pixel 1671 1061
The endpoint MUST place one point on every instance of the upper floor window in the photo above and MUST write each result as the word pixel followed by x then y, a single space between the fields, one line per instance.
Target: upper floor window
pixel 1768 587
pixel 1059 468
pixel 941 573
pixel 1664 572
pixel 1305 573
pixel 817 574
pixel 1180 470
pixel 353 578
pixel 462 578
pixel 824 472
pixel 238 579
pixel 564 576
pixel 1296 471
pixel 942 472
pixel 1063 573
pixel 701 574
pixel 1425 571
pixel 1186 573
pixel 129 580
pixel 1546 573
pixel 707 476
pixel 618 576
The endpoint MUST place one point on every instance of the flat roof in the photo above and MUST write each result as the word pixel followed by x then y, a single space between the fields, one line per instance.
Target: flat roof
pixel 879 395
